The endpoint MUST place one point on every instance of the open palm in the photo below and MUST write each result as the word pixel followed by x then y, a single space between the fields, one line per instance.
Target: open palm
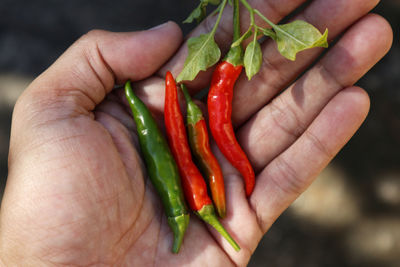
pixel 77 191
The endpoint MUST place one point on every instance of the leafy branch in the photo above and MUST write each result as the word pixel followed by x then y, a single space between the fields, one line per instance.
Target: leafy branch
pixel 291 38
pixel 203 52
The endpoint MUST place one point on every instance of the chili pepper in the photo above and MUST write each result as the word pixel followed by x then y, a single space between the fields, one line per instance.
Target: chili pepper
pixel 161 167
pixel 194 186
pixel 200 145
pixel 219 111
pixel 219 105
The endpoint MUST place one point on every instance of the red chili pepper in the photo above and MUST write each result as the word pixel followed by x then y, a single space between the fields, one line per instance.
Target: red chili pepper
pixel 200 145
pixel 219 111
pixel 194 186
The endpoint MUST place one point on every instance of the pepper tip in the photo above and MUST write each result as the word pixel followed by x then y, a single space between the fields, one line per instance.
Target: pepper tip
pixel 221 211
pixel 178 225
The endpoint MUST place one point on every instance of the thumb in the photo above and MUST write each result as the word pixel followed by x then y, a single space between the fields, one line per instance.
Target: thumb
pixel 89 69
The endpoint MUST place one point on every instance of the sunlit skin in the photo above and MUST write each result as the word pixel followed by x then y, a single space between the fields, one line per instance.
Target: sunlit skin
pixel 77 191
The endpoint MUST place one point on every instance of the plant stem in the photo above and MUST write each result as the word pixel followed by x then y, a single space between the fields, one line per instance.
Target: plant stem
pixel 215 11
pixel 221 9
pixel 273 25
pixel 235 54
pixel 251 11
pixel 255 34
pixel 186 94
pixel 236 20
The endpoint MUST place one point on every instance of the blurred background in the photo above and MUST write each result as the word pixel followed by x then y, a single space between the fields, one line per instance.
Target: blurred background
pixel 349 217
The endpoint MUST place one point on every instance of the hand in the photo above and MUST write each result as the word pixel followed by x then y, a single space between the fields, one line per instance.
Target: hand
pixel 77 192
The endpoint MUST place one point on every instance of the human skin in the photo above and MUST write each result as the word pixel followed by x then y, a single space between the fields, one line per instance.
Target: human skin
pixel 77 191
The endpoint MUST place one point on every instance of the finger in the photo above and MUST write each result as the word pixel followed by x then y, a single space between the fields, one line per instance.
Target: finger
pixel 88 70
pixel 287 176
pixel 275 10
pixel 277 72
pixel 279 124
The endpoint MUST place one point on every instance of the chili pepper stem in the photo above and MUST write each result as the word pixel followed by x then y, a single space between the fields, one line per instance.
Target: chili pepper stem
pixel 178 225
pixel 186 94
pixel 207 214
pixel 235 54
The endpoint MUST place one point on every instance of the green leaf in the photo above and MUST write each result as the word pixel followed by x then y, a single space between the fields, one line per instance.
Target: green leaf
pixel 198 14
pixel 269 33
pixel 203 53
pixel 246 35
pixel 212 2
pixel 252 58
pixel 298 36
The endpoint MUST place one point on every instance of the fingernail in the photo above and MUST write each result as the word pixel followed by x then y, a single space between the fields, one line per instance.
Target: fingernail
pixel 158 26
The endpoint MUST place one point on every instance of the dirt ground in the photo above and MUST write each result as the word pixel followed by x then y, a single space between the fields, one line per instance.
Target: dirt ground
pixel 349 217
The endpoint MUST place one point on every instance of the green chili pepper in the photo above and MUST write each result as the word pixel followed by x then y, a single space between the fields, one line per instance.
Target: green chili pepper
pixel 161 167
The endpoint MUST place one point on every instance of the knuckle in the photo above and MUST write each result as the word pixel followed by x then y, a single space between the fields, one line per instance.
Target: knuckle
pixel 89 40
pixel 93 34
pixel 285 118
pixel 320 146
pixel 286 178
